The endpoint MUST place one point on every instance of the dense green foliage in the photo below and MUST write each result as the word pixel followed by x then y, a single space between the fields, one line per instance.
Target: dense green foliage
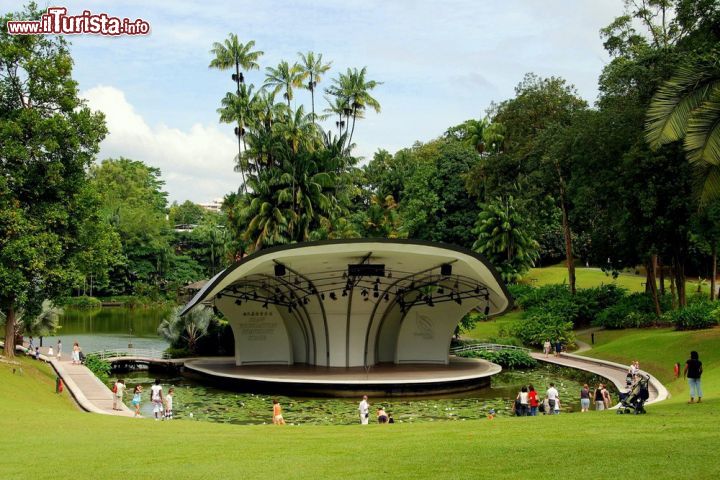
pixel 47 140
pixel 100 368
pixel 509 358
pixel 697 315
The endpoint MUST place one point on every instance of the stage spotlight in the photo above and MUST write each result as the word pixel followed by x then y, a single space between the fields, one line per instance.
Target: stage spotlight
pixel 333 296
pixel 255 295
pixel 487 310
pixel 364 292
pixel 441 290
pixel 445 269
pixel 280 270
pixel 458 300
pixel 376 294
pixel 344 293
pixel 322 296
pixel 238 302
pixel 277 289
pixel 265 305
pixel 387 297
pixel 219 296
pixel 305 301
pixel 375 287
pixel 477 290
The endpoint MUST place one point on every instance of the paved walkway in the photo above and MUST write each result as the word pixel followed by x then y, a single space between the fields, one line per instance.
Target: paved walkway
pixel 614 372
pixel 90 393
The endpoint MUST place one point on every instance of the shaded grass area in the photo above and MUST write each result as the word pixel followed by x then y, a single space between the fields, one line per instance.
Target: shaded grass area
pixel 585 278
pixel 47 432
pixel 489 329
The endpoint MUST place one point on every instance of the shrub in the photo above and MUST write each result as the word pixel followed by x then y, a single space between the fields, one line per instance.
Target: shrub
pixel 591 301
pixel 81 302
pixel 99 367
pixel 694 316
pixel 632 311
pixel 519 291
pixel 178 352
pixel 537 327
pixel 505 358
pixel 539 297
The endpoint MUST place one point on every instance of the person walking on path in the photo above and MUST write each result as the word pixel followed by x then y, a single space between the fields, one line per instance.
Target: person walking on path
pixel 364 409
pixel 137 397
pixel 585 398
pixel 693 372
pixel 558 347
pixel 598 395
pixel 31 345
pixel 76 354
pixel 552 397
pixel 59 349
pixel 546 348
pixel 533 400
pixel 50 352
pixel 118 393
pixel 522 398
pixel 277 413
pixel 156 397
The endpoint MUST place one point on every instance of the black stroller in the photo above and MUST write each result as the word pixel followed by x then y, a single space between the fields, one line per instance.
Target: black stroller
pixel 633 401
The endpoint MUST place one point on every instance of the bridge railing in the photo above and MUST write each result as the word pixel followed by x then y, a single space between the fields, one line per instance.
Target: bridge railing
pixel 487 347
pixel 131 352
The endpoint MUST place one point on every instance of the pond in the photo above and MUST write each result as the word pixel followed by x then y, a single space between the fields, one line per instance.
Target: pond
pixel 196 401
pixel 110 328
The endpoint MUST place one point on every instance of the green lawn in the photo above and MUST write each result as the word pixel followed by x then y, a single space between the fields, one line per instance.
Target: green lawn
pixel 45 436
pixel 658 349
pixel 584 277
pixel 488 330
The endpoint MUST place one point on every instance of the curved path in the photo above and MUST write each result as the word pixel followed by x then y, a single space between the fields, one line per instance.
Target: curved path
pixel 614 372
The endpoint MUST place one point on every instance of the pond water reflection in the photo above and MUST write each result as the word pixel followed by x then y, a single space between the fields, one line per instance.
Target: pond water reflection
pixel 110 328
pixel 196 401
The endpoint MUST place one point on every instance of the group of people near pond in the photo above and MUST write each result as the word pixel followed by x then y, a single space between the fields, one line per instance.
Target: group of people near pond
pixel 529 403
pixel 162 404
pixel 381 415
pixel 77 357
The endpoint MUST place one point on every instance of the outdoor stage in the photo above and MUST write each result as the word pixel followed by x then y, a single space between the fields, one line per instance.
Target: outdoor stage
pixel 384 379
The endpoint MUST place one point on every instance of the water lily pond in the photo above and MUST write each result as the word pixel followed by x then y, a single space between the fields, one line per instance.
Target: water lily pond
pixel 198 402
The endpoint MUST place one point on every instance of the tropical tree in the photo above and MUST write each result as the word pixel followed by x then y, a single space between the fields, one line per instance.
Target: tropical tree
pixel 48 139
pixel 502 238
pixel 45 323
pixel 234 54
pixel 353 88
pixel 284 78
pixel 312 68
pixel 687 107
pixel 188 328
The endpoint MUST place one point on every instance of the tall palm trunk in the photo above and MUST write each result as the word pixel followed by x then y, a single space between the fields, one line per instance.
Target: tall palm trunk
pixel 714 272
pixel 567 232
pixel 239 134
pixel 312 97
pixel 661 269
pixel 352 131
pixel 679 271
pixel 651 284
pixel 10 332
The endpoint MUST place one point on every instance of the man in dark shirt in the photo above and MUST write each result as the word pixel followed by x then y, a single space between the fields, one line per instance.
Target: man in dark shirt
pixel 693 372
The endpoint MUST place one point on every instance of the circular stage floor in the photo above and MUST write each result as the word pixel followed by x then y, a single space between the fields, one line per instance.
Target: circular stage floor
pixel 385 379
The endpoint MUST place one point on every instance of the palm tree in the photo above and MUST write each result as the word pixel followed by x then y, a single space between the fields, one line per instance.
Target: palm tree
pixel 354 88
pixel 190 327
pixel 238 108
pixel 339 106
pixel 502 237
pixel 233 53
pixel 284 77
pixel 687 107
pixel 41 325
pixel 476 134
pixel 312 67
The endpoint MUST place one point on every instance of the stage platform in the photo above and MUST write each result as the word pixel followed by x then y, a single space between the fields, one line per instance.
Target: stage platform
pixel 386 379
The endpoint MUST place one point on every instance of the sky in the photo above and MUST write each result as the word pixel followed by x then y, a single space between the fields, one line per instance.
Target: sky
pixel 441 63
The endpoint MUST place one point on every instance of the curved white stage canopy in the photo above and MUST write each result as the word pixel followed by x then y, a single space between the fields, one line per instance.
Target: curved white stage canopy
pixel 352 303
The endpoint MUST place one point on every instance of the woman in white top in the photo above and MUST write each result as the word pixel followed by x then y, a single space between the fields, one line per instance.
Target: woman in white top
pixel 522 398
pixel 546 348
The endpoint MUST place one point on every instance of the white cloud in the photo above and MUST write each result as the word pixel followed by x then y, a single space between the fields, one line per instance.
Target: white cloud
pixel 196 164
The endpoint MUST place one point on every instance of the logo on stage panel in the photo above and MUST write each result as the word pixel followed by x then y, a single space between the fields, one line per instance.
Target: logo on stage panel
pixel 424 327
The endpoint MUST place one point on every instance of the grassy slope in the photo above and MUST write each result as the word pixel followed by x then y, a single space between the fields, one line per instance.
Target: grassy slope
pixel 58 441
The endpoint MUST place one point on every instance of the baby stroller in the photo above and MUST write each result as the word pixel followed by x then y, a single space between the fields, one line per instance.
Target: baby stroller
pixel 633 401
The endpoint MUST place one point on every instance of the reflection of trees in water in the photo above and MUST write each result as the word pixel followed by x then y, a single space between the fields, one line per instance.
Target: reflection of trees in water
pixel 140 322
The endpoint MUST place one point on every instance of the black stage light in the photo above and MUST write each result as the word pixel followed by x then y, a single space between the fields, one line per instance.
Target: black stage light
pixel 487 310
pixel 280 270
pixel 305 301
pixel 445 269
pixel 344 293
pixel 458 300
pixel 238 302
pixel 322 296
pixel 333 296
pixel 219 296
pixel 376 294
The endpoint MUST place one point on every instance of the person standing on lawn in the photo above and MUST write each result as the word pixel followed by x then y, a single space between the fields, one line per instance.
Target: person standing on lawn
pixel 364 409
pixel 693 372
pixel 533 400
